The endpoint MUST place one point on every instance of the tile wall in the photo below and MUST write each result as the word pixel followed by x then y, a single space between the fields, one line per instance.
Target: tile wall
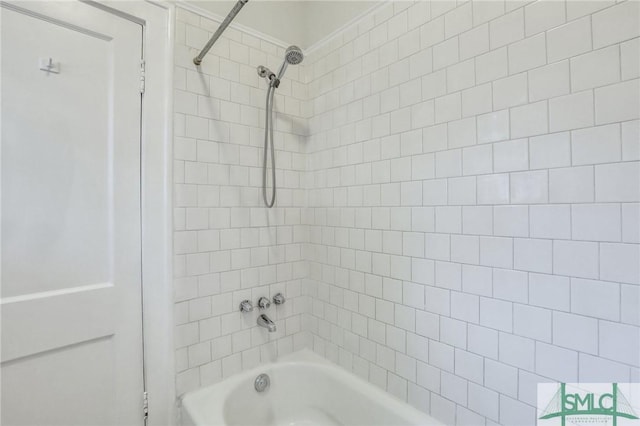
pixel 473 186
pixel 459 213
pixel 227 246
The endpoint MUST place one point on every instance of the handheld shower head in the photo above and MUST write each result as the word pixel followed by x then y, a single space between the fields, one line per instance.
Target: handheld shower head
pixel 293 55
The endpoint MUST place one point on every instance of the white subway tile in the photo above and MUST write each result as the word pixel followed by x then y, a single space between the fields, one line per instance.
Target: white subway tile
pixel 434 192
pixel 514 412
pixel 462 191
pixel 618 182
pixel 458 20
pixel 571 112
pixel 569 40
pixel 577 9
pixel 528 53
pixel 510 91
pixel 445 53
pixel 507 29
pixel 595 69
pixel 616 24
pixel 496 314
pixel 532 255
pixel 469 366
pixel 575 332
pixel 441 355
pixel 421 63
pixel 493 127
pixel 465 249
pixel 598 299
pixel 483 400
pixel 442 7
pixel 465 307
pixel 477 160
pixel 449 163
pixel 461 133
pixel 495 251
pixel 517 351
pixel 493 189
pixel 434 138
pixel 620 262
pixel 575 259
pixel 511 221
pixel 596 145
pixel 549 291
pixel 550 151
pixel 511 156
pixel 448 275
pixel 549 81
pixel 529 120
pixel 529 187
pixel 619 342
pixel 477 280
pixel 486 11
pixel 482 340
pixel 432 32
pixel 510 285
pixel 617 102
pixel 501 377
pixel 571 185
pixel 550 221
pixel 556 363
pixel 477 220
pixel 474 42
pixel 437 246
pixel 532 322
pixel 599 370
pixel 543 15
pixel 491 66
pixel 596 222
pixel 448 108
pixel 476 100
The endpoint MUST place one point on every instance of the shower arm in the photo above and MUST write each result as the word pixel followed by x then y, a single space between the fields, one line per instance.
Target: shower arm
pixel 223 26
pixel 282 69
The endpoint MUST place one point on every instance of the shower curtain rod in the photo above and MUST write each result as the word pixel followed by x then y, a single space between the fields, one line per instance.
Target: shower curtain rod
pixel 223 26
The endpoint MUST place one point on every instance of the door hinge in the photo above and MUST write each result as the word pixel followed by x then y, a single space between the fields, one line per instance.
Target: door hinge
pixel 145 405
pixel 142 75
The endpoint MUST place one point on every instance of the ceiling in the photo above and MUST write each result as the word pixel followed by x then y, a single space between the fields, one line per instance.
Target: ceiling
pixel 299 22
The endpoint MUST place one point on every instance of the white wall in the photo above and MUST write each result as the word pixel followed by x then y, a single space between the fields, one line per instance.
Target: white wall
pixel 459 219
pixel 299 22
pixel 473 202
pixel 227 246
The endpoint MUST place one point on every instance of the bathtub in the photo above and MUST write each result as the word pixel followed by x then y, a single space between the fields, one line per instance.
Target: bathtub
pixel 305 390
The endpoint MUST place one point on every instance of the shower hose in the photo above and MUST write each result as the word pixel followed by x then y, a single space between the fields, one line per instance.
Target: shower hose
pixel 268 141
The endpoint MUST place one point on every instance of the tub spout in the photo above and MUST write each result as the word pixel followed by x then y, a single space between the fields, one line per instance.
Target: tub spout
pixel 265 321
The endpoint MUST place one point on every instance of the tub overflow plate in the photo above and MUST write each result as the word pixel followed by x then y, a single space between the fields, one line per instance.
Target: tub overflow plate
pixel 262 383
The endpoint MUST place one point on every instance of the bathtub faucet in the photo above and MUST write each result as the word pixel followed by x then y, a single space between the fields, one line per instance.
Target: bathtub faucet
pixel 265 321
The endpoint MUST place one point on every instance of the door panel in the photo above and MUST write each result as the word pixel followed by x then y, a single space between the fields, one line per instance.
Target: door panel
pixel 71 266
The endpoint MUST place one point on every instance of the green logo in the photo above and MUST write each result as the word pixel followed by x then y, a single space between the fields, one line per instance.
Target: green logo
pixel 581 405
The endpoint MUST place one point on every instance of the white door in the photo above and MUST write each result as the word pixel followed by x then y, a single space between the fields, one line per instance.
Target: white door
pixel 71 263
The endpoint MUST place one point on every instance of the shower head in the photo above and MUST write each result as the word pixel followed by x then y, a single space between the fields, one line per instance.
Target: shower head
pixel 293 55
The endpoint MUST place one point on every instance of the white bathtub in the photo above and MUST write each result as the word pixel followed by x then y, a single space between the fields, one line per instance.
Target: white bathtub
pixel 305 390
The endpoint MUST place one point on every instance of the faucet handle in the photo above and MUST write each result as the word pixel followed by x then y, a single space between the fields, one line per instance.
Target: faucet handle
pixel 278 299
pixel 246 306
pixel 263 303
